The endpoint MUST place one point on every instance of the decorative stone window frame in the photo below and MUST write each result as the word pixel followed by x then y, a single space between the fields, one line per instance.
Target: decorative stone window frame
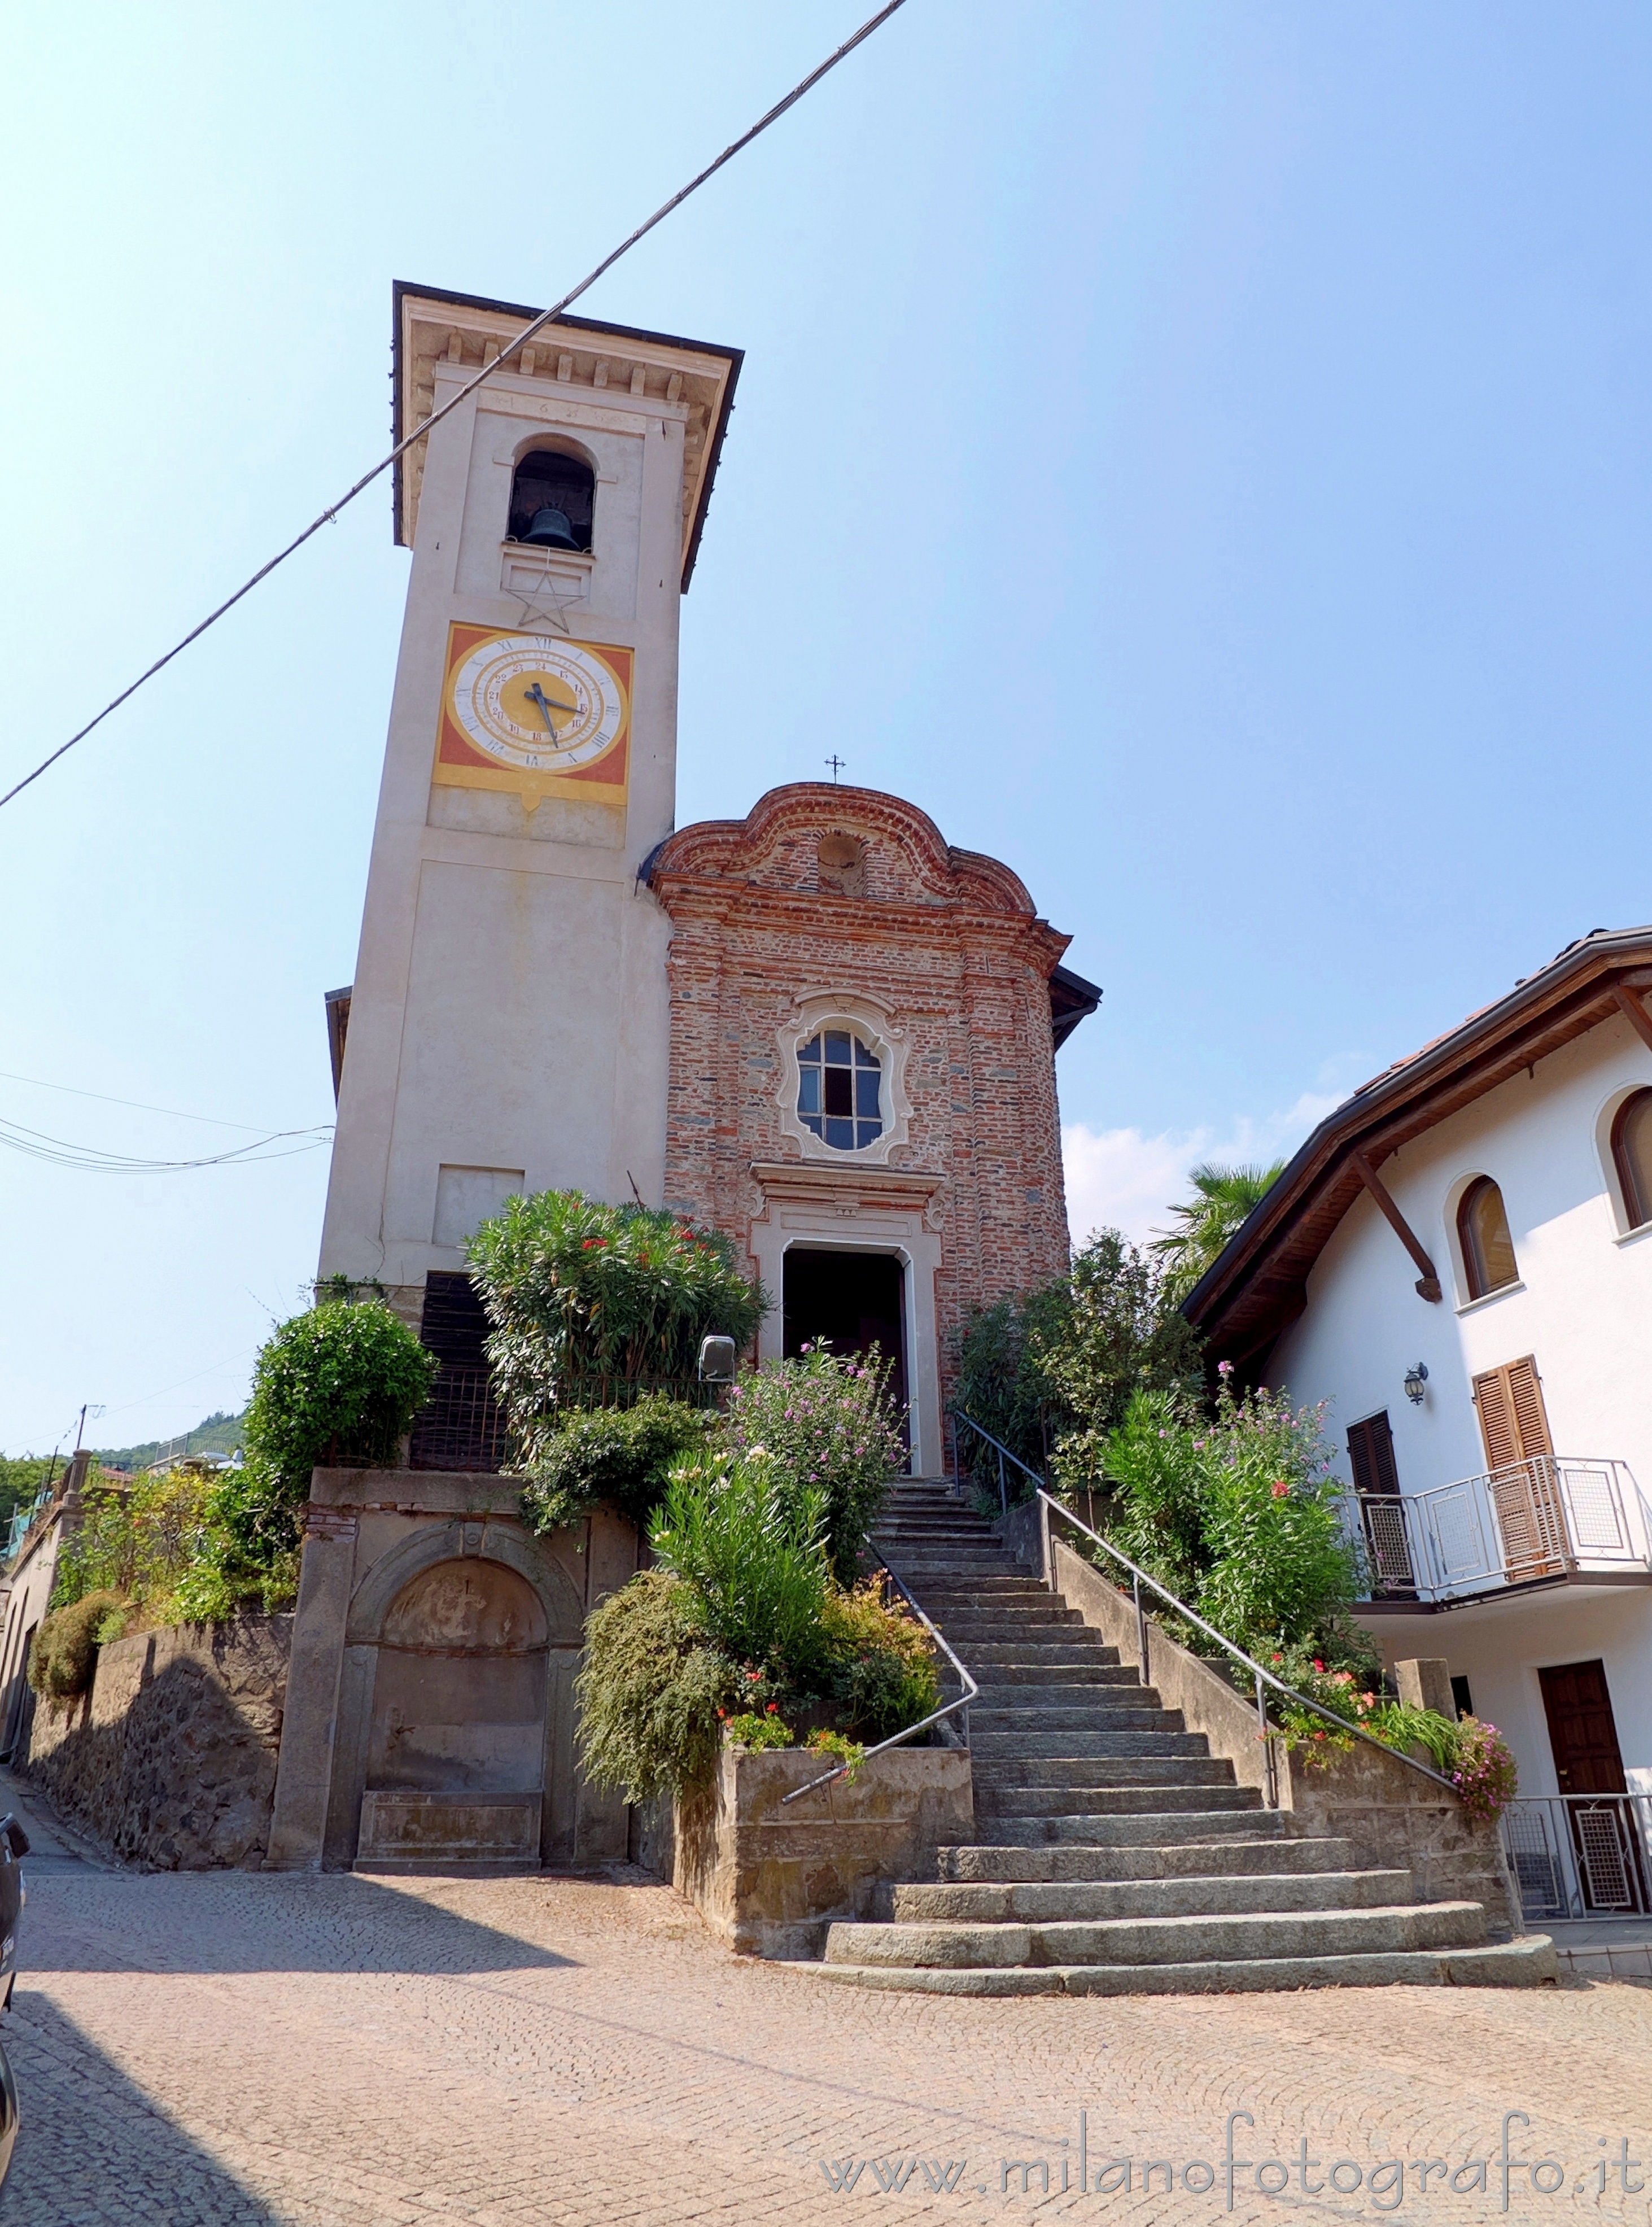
pixel 871 1020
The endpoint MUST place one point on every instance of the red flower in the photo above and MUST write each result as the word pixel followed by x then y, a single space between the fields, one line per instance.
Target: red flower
pixel 773 1709
pixel 1281 1490
pixel 1319 1666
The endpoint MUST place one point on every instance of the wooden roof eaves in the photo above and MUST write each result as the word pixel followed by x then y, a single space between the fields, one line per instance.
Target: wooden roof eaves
pixel 1266 1265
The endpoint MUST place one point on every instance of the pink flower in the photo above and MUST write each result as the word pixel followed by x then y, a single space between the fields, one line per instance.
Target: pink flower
pixel 1319 1666
pixel 1224 1369
pixel 1281 1490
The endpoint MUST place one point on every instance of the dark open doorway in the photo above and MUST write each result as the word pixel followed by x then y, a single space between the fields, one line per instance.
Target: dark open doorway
pixel 853 1301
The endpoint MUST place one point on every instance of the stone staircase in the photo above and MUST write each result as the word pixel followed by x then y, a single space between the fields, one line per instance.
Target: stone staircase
pixel 1116 1855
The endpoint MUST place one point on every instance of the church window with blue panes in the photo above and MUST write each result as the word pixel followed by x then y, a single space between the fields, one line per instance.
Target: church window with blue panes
pixel 837 1090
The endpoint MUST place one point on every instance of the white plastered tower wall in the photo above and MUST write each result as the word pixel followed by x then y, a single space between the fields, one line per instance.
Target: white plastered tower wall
pixel 509 1010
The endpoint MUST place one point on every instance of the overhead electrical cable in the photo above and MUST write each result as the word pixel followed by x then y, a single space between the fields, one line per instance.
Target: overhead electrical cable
pixel 138 1105
pixel 91 1161
pixel 545 317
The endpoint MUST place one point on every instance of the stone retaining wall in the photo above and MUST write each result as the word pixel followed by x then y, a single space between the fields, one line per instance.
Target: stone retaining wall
pixel 770 1880
pixel 170 1759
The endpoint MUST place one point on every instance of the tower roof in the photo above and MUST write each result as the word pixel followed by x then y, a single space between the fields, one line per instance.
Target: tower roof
pixel 696 375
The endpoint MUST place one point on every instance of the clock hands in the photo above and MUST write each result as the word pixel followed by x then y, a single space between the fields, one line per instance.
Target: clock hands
pixel 547 705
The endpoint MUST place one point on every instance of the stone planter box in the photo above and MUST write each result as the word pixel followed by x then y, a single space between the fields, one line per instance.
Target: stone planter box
pixel 1392 1815
pixel 770 1880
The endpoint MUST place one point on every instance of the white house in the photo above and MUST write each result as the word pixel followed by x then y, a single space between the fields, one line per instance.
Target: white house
pixel 1459 1261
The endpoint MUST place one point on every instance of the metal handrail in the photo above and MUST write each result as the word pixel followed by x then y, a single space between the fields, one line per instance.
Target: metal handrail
pixel 971 1690
pixel 1145 1577
pixel 1142 1576
pixel 1002 1451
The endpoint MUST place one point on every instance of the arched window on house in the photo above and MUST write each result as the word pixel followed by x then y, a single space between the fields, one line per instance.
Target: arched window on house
pixel 1487 1249
pixel 552 498
pixel 1632 1155
pixel 837 1090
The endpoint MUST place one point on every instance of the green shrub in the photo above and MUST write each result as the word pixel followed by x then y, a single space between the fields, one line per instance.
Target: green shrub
pixel 849 1752
pixel 879 1664
pixel 1239 1516
pixel 650 1690
pixel 749 1730
pixel 590 1304
pixel 65 1653
pixel 748 1546
pixel 622 1455
pixel 1004 1383
pixel 343 1381
pixel 136 1540
pixel 829 1423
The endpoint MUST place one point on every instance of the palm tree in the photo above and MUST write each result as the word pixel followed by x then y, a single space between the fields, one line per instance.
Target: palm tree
pixel 1223 1197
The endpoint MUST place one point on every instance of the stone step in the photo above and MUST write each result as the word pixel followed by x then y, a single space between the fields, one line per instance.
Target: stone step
pixel 1023 1805
pixel 1246 1847
pixel 1127 1829
pixel 1044 1646
pixel 1193 1896
pixel 1059 1676
pixel 1085 1774
pixel 1530 1961
pixel 990 1592
pixel 1266 1935
pixel 1003 1624
pixel 1155 1828
pixel 1076 1697
pixel 994 1747
pixel 1104 1714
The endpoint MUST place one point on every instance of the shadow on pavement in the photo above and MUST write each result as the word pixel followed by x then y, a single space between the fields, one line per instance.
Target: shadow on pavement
pixel 253 1922
pixel 95 2151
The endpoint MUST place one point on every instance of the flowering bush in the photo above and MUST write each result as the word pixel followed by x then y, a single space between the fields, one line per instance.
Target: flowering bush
pixel 1240 1516
pixel 749 1730
pixel 1485 1776
pixel 829 1423
pixel 590 1304
pixel 880 1666
pixel 740 1627
pixel 849 1752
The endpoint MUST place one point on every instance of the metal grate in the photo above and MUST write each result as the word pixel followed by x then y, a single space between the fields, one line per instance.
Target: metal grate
pixel 463 1428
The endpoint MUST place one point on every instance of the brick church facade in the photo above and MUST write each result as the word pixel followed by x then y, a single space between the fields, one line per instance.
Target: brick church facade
pixel 861 1081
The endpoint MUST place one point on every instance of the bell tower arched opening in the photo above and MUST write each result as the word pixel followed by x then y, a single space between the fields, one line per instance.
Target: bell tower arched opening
pixel 553 500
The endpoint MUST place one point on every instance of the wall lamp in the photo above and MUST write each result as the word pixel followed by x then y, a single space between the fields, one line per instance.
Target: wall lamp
pixel 1416 1378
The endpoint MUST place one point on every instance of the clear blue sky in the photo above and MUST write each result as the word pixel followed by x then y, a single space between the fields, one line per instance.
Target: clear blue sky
pixel 1198 452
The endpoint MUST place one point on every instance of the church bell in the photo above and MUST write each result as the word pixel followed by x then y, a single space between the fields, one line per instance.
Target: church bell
pixel 551 529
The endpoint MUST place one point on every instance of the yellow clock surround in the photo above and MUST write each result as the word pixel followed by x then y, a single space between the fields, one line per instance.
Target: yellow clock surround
pixel 534 717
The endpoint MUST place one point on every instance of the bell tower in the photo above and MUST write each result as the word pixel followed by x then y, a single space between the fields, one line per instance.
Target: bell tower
pixel 508 1029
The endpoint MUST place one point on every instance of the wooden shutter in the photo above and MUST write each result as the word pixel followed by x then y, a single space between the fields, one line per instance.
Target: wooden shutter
pixel 1516 1430
pixel 1370 1453
pixel 1526 1397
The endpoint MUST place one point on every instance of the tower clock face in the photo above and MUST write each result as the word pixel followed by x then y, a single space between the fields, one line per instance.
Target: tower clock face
pixel 536 705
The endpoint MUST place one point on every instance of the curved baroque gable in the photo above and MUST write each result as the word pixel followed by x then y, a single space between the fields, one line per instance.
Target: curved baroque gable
pixel 777 846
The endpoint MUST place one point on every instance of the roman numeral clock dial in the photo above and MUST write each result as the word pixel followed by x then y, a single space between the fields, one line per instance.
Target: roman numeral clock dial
pixel 543 718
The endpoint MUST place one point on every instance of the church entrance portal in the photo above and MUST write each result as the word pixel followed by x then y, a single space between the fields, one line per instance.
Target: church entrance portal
pixel 853 1301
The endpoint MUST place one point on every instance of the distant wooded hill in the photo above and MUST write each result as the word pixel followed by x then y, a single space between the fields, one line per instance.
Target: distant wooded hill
pixel 214 1434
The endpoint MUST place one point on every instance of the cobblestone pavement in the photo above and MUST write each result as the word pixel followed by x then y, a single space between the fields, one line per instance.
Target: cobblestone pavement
pixel 201 2049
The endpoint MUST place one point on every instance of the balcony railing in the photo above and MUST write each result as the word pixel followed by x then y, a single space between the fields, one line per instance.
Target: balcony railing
pixel 1581 1855
pixel 1551 1516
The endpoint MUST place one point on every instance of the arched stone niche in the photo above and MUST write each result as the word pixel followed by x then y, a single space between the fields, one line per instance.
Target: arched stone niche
pixel 458 1700
pixel 454 1740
